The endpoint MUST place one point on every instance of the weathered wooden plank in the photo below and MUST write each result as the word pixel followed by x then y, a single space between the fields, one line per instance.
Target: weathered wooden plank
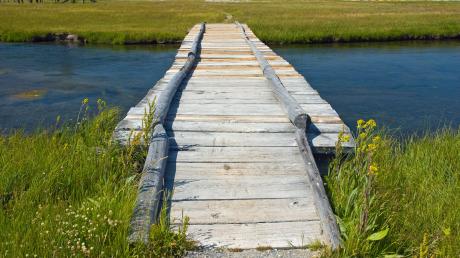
pixel 220 42
pixel 326 140
pixel 229 118
pixel 309 99
pixel 222 86
pixel 240 109
pixel 244 236
pixel 196 97
pixel 225 76
pixel 321 143
pixel 241 127
pixel 224 51
pixel 237 154
pixel 248 72
pixel 207 63
pixel 230 170
pixel 222 126
pixel 219 139
pixel 242 100
pixel 244 211
pixel 243 73
pixel 230 59
pixel 237 88
pixel 220 56
pixel 223 46
pixel 232 66
pixel 245 118
pixel 239 188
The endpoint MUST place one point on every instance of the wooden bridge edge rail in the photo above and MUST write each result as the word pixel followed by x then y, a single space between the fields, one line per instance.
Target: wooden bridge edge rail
pixel 150 192
pixel 295 112
pixel 301 120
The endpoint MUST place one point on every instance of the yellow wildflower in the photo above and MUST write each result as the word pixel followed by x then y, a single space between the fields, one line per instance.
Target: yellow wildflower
pixel 370 123
pixel 372 147
pixel 376 139
pixel 362 135
pixel 360 123
pixel 85 101
pixel 446 231
pixel 373 169
pixel 344 137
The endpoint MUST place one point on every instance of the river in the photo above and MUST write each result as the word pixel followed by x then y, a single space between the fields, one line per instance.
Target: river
pixel 405 86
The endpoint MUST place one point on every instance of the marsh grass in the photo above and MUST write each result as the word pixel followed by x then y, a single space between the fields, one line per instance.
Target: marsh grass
pixel 124 22
pixel 69 190
pixel 398 198
pixel 166 243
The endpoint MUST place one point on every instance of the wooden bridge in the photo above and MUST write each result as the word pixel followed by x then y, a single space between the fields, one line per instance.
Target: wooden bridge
pixel 230 141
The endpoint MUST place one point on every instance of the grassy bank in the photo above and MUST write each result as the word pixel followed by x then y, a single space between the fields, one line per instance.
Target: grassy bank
pixel 273 21
pixel 68 191
pixel 398 198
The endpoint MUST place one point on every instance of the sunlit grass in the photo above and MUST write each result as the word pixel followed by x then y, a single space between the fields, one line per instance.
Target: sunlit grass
pixel 409 188
pixel 70 191
pixel 119 22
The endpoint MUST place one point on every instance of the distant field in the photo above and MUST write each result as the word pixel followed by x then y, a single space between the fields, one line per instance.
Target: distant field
pixel 122 22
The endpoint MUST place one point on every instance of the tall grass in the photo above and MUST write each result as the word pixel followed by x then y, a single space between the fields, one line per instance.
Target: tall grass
pixel 398 198
pixel 70 191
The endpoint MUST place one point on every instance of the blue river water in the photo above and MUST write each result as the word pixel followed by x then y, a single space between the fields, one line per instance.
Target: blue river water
pixel 38 82
pixel 405 86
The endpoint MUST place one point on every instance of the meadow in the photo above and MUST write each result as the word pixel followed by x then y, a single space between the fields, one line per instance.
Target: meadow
pixel 125 22
pixel 397 198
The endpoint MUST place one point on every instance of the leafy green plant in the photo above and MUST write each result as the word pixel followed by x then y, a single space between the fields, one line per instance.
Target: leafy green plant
pixel 164 242
pixel 351 185
pixel 383 195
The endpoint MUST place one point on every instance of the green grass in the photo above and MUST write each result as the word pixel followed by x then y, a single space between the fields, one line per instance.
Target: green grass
pixel 120 22
pixel 70 185
pixel 69 191
pixel 410 188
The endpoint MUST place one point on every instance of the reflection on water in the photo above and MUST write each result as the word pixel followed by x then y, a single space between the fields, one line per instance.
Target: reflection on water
pixel 30 94
pixel 38 82
pixel 406 86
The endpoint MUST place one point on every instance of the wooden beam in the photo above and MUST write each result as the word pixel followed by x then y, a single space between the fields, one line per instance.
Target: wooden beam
pixel 150 187
pixel 295 112
pixel 164 100
pixel 327 217
pixel 150 192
